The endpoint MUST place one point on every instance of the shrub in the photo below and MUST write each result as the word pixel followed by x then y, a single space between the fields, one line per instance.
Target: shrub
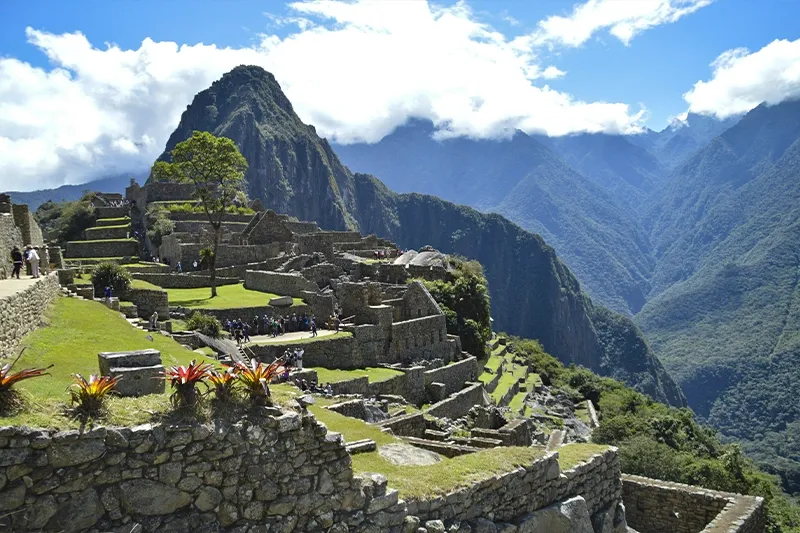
pixel 255 379
pixel 206 254
pixel 205 324
pixel 223 384
pixel 184 379
pixel 110 275
pixel 160 228
pixel 90 395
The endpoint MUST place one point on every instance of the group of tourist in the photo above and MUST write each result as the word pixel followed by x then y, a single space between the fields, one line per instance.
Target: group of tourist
pixel 310 386
pixel 117 203
pixel 267 325
pixel 31 256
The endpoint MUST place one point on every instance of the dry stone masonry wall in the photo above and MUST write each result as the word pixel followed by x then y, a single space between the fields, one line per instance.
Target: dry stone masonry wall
pixel 655 506
pixel 22 312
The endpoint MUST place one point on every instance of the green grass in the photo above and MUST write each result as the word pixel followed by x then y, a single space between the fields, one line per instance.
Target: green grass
pixel 105 240
pixel 494 363
pixel 77 331
pixel 517 402
pixel 571 455
pixel 419 482
pixel 308 340
pixel 228 297
pixel 375 374
pixel 141 284
pixel 97 228
pixel 582 413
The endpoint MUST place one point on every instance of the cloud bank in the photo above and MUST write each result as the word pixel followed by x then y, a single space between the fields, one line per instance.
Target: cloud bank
pixel 742 80
pixel 356 70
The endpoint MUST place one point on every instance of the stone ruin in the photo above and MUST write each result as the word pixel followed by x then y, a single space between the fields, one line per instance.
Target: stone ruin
pixel 140 371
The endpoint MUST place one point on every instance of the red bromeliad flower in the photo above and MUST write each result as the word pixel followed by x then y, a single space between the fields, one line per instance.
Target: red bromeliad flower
pixel 8 378
pixel 256 377
pixel 90 394
pixel 184 379
pixel 223 383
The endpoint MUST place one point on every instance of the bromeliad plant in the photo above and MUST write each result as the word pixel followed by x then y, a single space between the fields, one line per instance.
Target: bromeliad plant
pixel 9 378
pixel 223 384
pixel 255 379
pixel 184 379
pixel 90 395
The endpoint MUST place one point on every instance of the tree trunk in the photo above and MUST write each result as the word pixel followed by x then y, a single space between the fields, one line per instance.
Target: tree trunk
pixel 213 262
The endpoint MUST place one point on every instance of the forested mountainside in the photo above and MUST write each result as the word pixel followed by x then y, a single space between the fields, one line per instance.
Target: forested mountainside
pixel 598 236
pixel 725 316
pixel 534 294
pixel 710 237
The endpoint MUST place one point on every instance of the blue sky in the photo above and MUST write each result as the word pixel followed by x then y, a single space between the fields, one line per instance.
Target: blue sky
pixel 94 88
pixel 656 69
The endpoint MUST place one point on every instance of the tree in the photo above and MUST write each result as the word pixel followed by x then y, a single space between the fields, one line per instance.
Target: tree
pixel 216 168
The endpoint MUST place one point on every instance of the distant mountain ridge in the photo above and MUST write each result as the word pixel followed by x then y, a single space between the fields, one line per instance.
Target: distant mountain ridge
pixel 70 193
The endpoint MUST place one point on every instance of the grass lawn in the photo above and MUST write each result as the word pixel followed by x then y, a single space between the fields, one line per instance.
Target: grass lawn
pixel 494 363
pixel 570 455
pixel 120 220
pixel 308 340
pixel 517 402
pixel 98 228
pixel 141 284
pixel 326 375
pixel 228 297
pixel 78 330
pixel 418 482
pixel 86 279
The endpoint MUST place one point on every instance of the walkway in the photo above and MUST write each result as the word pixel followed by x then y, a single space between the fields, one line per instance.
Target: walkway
pixel 9 287
pixel 295 336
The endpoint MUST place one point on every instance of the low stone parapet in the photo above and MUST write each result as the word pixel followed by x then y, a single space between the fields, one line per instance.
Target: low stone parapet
pixel 175 280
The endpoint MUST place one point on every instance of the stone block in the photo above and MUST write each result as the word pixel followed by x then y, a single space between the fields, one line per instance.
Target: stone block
pixel 281 301
pixel 135 358
pixel 139 380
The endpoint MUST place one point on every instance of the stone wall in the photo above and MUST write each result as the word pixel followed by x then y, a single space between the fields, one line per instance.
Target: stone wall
pixel 107 232
pixel 420 338
pixel 22 312
pixel 10 236
pixel 23 218
pixel 148 301
pixel 409 425
pixel 654 506
pixel 196 227
pixel 112 212
pixel 328 352
pixel 229 254
pixel 278 283
pixel 247 313
pixel 459 404
pixel 109 248
pixel 168 192
pixel 322 274
pixel 410 385
pixel 228 217
pixel 510 496
pixel 182 281
pixel 454 375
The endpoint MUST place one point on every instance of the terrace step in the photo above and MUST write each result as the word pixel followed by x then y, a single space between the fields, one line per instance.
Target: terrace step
pixel 361 446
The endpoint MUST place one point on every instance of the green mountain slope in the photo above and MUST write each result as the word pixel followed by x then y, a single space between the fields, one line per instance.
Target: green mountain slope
pixel 290 169
pixel 725 313
pixel 533 293
pixel 521 178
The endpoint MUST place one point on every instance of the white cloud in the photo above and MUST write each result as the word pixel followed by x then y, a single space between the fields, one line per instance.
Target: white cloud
pixel 624 19
pixel 742 80
pixel 354 70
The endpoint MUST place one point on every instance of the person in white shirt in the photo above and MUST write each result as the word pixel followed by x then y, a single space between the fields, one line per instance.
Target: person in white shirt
pixel 33 258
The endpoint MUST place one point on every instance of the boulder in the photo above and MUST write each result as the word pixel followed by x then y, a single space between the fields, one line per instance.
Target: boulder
pixel 146 497
pixel 569 516
pixel 281 301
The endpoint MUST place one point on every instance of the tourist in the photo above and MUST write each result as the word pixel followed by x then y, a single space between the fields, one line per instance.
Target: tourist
pixel 45 266
pixel 336 322
pixel 195 264
pixel 16 259
pixel 313 327
pixel 107 294
pixel 179 268
pixel 33 259
pixel 328 390
pixel 246 331
pixel 154 321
